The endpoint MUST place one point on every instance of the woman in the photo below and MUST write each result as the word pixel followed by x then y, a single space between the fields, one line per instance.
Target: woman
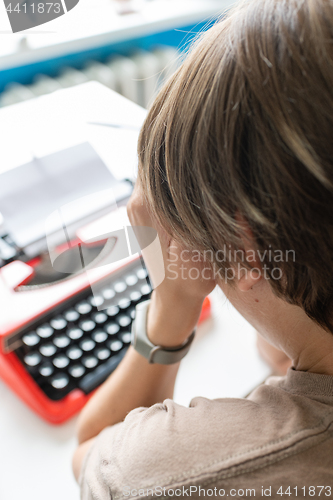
pixel 236 165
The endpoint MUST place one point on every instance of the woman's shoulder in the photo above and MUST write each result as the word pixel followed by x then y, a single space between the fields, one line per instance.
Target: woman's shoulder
pixel 169 443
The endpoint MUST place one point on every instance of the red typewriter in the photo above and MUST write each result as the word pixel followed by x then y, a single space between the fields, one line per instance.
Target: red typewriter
pixel 66 306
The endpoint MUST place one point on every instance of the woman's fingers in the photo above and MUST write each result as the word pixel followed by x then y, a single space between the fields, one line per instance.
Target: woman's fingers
pixel 184 273
pixel 136 209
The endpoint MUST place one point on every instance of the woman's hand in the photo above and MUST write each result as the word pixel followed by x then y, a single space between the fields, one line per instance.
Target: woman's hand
pixel 176 302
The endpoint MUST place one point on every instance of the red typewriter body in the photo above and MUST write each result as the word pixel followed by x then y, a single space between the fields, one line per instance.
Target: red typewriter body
pixel 23 309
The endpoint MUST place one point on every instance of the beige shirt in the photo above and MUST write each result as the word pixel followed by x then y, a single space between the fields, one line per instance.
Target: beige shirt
pixel 279 439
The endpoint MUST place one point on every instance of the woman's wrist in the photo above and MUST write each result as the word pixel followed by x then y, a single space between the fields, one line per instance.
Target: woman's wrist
pixel 172 319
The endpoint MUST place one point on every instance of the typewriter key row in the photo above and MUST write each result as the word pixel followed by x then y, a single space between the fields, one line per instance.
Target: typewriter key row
pixel 80 346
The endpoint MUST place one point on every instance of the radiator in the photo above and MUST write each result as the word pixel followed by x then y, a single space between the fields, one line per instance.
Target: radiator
pixel 137 77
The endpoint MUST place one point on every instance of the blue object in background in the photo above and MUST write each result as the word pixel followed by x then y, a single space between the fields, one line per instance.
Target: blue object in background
pixel 179 38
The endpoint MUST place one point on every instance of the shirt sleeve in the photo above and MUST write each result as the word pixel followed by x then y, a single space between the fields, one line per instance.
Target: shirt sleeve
pixel 138 452
pixel 167 445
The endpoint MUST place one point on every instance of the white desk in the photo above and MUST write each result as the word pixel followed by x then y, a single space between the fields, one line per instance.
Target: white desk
pixel 35 457
pixel 49 123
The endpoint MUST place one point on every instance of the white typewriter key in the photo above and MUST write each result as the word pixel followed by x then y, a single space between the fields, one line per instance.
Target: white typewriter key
pixel 31 339
pixel 75 333
pixel 74 353
pixel 124 320
pixel 46 370
pixel 108 293
pixel 76 371
pixel 135 295
pixel 126 337
pixel 142 274
pixel 112 328
pixel 116 345
pixel 132 314
pixel 131 280
pixel 72 315
pixel 90 362
pixel 60 381
pixel 87 325
pixel 96 300
pixel 58 323
pixel 83 308
pixel 145 289
pixel 100 318
pixel 48 350
pixel 32 359
pixel 44 331
pixel 120 286
pixel 61 342
pixel 61 361
pixel 103 354
pixel 124 303
pixel 99 336
pixel 87 345
pixel 112 311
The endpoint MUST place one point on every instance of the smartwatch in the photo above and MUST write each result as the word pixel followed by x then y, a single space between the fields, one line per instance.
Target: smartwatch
pixel 155 353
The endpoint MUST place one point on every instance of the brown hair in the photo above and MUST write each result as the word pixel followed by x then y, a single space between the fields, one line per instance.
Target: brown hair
pixel 245 126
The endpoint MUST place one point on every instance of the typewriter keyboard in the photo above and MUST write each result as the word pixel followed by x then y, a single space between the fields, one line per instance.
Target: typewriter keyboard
pixel 78 345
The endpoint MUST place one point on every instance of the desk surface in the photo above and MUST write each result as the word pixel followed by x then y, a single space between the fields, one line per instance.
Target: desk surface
pixel 35 458
pixel 56 121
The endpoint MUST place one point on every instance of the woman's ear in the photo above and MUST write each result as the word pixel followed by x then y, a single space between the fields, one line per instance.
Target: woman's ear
pixel 248 277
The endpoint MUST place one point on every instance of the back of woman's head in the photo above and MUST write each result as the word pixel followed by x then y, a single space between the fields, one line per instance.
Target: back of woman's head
pixel 244 131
